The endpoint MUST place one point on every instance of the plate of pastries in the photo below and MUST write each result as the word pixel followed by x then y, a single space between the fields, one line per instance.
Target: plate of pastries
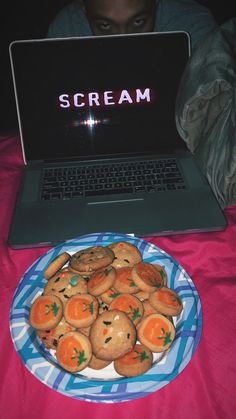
pixel 106 317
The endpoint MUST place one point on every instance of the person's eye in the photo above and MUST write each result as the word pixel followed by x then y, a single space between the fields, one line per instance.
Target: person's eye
pixel 104 26
pixel 139 22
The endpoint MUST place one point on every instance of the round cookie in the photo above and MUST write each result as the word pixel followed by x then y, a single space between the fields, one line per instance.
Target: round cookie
pixel 74 351
pixel 134 363
pixel 101 280
pixel 45 312
pixel 126 254
pixel 148 308
pixel 124 281
pixel 162 271
pixel 108 296
pixel 56 265
pixel 91 259
pixel 98 364
pixel 81 310
pixel 166 301
pixel 112 335
pixel 142 295
pixel 65 284
pixel 51 337
pixel 130 305
pixel 156 332
pixel 147 277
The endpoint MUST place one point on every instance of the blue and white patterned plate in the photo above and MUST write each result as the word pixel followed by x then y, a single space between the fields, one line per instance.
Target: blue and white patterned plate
pixel 105 386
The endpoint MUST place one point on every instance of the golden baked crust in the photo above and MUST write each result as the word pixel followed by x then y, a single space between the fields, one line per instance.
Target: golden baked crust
pixel 112 335
pixel 91 259
pixel 126 254
pixel 56 265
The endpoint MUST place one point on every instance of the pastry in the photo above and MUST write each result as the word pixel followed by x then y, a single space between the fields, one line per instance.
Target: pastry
pixel 45 312
pixel 65 284
pixel 81 310
pixel 74 351
pixel 147 277
pixel 124 281
pixel 91 259
pixel 136 362
pixel 126 254
pixel 166 301
pixel 51 337
pixel 130 305
pixel 156 332
pixel 56 265
pixel 112 335
pixel 101 280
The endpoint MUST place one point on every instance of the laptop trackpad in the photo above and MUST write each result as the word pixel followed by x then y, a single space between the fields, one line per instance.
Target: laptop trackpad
pixel 120 214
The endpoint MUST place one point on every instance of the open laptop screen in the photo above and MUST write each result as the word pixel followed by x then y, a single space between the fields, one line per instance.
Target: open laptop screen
pixel 99 96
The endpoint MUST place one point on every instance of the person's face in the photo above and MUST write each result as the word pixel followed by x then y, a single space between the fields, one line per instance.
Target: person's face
pixel 108 17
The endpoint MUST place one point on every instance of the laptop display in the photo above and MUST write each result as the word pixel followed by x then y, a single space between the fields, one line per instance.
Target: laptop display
pixel 86 100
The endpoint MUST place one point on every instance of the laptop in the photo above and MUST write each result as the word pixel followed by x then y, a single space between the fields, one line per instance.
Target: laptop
pixel 99 140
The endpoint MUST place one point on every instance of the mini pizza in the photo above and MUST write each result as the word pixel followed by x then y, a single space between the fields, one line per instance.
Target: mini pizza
pixel 45 312
pixel 74 351
pixel 166 301
pixel 156 332
pixel 147 277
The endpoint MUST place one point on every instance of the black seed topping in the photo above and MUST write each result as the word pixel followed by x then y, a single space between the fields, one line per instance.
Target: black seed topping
pixel 66 296
pixel 108 339
pixel 126 260
pixel 62 290
pixel 128 335
pixel 107 323
pixel 57 279
pixel 54 342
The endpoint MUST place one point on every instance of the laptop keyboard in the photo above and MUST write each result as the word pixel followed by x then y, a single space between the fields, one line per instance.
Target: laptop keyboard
pixel 141 176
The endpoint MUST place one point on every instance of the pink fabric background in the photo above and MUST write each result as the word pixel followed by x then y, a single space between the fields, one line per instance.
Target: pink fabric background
pixel 206 387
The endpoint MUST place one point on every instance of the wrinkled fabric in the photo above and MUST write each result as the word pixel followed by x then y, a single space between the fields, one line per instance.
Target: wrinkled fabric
pixel 204 389
pixel 206 110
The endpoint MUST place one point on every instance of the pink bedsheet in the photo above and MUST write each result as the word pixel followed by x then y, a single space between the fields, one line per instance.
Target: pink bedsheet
pixel 206 387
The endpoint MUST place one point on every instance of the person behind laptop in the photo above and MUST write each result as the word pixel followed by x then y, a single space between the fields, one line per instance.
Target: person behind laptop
pixel 202 130
pixel 108 17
